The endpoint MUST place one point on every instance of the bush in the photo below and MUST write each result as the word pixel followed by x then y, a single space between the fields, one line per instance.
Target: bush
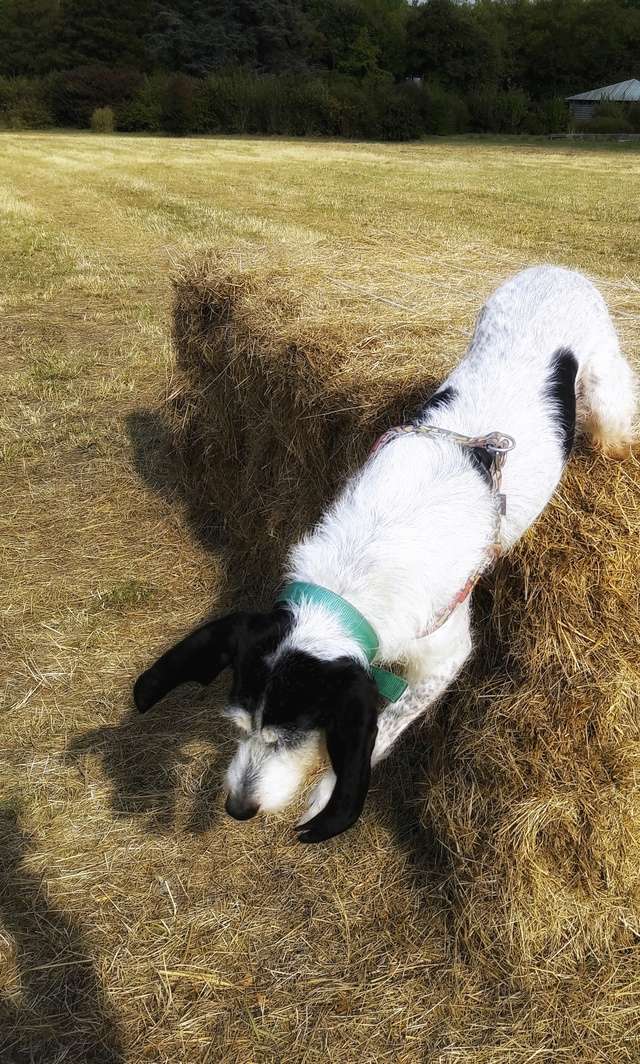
pixel 337 105
pixel 358 106
pixel 270 105
pixel 499 112
pixel 311 108
pixel 610 116
pixel 610 109
pixel 293 106
pixel 236 100
pixel 230 102
pixel 103 120
pixel 512 110
pixel 75 94
pixel 352 110
pixel 607 124
pixel 23 104
pixel 633 116
pixel 178 111
pixel 400 112
pixel 547 116
pixel 144 112
pixel 444 112
pixel 557 116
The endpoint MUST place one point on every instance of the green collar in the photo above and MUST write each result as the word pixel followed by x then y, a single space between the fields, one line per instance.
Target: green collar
pixel 389 685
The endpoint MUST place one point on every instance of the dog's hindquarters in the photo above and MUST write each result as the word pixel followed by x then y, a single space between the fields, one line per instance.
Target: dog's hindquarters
pixel 607 395
pixel 546 310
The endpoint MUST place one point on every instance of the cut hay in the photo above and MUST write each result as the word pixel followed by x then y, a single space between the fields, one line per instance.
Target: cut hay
pixel 527 857
pixel 286 375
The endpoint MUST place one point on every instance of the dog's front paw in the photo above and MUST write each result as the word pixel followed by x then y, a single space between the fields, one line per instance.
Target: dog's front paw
pixel 330 821
pixel 319 797
pixel 323 827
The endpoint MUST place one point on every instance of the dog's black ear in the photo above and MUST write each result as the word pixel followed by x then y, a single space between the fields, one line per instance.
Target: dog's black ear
pixel 351 730
pixel 200 658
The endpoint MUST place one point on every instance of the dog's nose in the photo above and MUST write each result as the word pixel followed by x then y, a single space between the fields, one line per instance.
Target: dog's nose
pixel 240 808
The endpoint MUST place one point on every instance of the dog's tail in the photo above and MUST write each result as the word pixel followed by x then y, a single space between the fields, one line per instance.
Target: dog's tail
pixel 607 394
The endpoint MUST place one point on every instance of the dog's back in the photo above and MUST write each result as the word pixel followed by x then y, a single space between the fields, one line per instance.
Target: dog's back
pixel 544 359
pixel 402 537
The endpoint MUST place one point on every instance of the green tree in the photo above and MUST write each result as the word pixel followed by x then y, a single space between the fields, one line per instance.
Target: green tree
pixel 448 43
pixel 559 47
pixel 275 35
pixel 351 32
pixel 193 38
pixel 105 31
pixel 361 60
pixel 30 36
pixel 386 22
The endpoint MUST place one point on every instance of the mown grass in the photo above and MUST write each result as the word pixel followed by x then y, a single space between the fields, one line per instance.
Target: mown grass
pixel 121 938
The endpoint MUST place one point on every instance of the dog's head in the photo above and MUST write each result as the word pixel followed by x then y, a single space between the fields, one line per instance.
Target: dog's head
pixel 285 702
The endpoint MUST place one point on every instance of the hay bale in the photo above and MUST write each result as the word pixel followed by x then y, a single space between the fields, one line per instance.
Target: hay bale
pixel 284 377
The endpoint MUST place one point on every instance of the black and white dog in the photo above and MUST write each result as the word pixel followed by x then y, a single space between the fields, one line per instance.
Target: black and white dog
pixel 396 547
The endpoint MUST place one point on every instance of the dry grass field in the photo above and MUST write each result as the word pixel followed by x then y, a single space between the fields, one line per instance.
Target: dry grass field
pixel 137 923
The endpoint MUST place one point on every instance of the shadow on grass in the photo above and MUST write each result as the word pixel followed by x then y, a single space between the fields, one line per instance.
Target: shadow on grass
pixel 145 760
pixel 61 1012
pixel 143 755
pixel 157 462
pixel 400 786
pixel 153 453
pixel 397 798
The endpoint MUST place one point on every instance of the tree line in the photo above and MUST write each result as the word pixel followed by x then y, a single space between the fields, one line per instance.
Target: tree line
pixel 374 68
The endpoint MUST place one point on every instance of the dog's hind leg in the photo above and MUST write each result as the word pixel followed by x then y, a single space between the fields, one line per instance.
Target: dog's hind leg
pixel 607 393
